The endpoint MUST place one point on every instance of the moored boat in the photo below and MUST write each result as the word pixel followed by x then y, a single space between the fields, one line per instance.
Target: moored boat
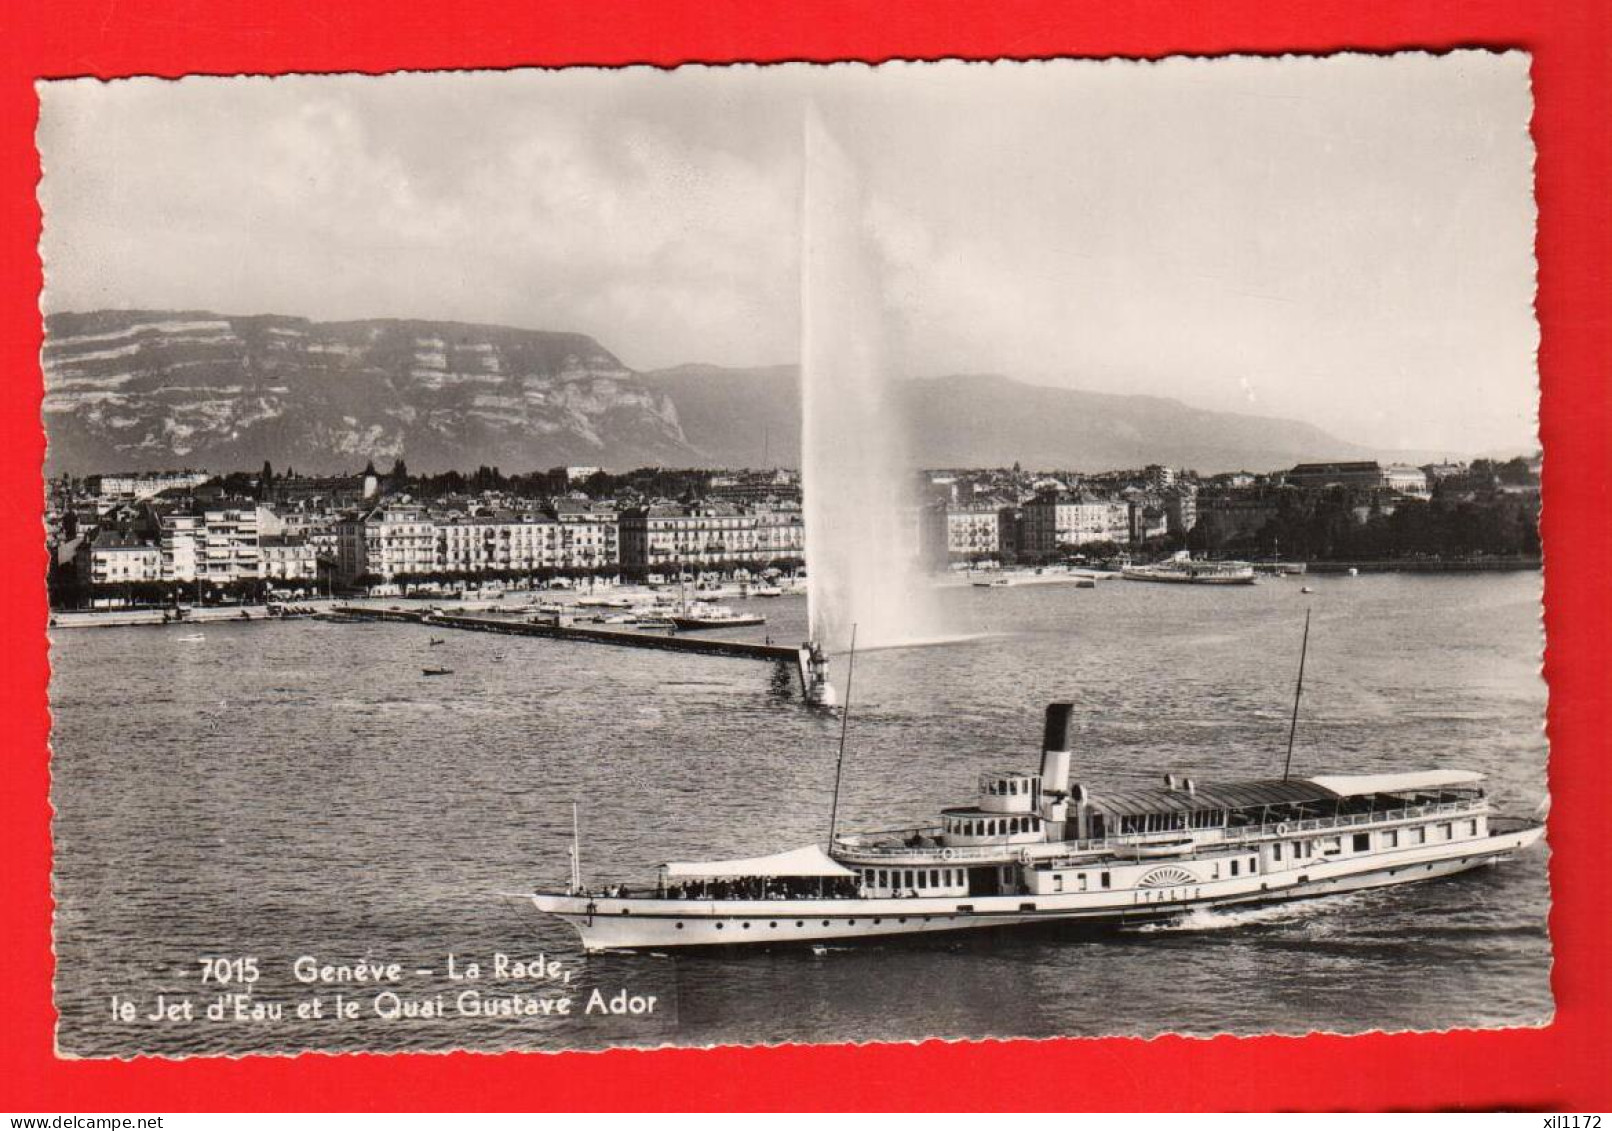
pixel 715 616
pixel 1182 569
pixel 1037 848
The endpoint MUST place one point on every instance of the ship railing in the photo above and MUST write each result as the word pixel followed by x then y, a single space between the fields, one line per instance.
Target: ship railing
pixel 1351 820
pixel 893 844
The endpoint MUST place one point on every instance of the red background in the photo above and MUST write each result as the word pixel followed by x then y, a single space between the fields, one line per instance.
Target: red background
pixel 1565 1066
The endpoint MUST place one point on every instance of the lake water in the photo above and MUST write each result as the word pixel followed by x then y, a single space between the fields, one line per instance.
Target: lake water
pixel 298 789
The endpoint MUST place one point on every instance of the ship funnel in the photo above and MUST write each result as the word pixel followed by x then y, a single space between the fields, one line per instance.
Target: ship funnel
pixel 1055 749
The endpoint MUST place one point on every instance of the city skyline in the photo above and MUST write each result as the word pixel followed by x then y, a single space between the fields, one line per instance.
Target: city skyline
pixel 1343 240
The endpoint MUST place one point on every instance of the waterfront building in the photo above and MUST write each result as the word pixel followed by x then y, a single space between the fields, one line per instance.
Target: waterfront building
pixel 228 545
pixel 1056 521
pixel 386 541
pixel 954 532
pixel 710 534
pixel 115 557
pixel 495 541
pixel 658 537
pixel 509 542
pixel 177 535
pixel 288 559
pixel 590 533
pixel 780 533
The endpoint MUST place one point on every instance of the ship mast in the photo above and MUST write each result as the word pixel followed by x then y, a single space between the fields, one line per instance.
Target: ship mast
pixel 1298 690
pixel 845 722
pixel 576 849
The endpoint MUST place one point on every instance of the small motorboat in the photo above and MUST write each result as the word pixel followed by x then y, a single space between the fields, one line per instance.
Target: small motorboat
pixel 715 616
pixel 435 640
pixel 1306 589
pixel 436 671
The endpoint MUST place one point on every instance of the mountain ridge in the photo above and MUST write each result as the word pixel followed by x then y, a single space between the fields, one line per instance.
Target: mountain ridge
pixel 151 389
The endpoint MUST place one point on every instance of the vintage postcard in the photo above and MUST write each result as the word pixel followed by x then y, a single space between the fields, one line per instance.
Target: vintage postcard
pixel 577 558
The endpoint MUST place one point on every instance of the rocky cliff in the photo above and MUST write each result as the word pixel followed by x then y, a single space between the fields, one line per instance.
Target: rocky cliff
pixel 154 389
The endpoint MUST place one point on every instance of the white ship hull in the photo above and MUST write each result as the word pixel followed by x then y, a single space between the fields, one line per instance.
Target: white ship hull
pixel 649 923
pixel 1168 577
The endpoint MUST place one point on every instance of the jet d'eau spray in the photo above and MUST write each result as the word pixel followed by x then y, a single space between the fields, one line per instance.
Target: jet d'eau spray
pixel 857 476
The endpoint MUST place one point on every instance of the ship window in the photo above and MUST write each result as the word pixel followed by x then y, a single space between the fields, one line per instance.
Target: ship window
pixel 1107 880
pixel 1446 831
pixel 1276 851
pixel 923 879
pixel 1057 881
pixel 1082 878
pixel 1252 863
pixel 1391 838
pixel 1419 835
pixel 1215 873
pixel 1472 827
pixel 1234 866
pixel 1362 842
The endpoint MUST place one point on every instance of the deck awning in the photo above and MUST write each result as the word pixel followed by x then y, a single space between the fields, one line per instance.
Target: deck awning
pixel 1208 796
pixel 1359 785
pixel 808 861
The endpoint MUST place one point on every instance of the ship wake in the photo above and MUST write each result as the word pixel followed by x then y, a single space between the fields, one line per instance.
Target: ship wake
pixel 1232 918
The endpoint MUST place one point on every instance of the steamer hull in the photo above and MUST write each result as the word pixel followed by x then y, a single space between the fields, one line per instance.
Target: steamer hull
pixel 654 923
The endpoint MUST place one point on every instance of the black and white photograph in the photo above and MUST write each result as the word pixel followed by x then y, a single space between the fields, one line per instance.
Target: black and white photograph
pixel 794 554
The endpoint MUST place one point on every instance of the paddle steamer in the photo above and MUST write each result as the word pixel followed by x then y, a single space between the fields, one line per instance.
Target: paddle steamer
pixel 1036 848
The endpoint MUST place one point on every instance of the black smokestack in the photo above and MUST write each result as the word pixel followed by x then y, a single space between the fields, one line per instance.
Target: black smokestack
pixel 1056 734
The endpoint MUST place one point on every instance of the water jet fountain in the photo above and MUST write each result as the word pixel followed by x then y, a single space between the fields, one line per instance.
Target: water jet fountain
pixel 858 480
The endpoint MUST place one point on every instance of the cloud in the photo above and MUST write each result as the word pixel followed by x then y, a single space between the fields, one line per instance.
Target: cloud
pixel 1352 236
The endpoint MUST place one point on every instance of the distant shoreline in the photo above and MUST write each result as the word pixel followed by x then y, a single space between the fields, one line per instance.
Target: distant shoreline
pixel 1428 565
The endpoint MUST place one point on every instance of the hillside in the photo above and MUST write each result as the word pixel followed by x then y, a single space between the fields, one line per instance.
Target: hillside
pixel 152 389
pixel 143 390
pixel 982 421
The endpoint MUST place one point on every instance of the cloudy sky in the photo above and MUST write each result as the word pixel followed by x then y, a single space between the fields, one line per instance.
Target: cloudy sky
pixel 1346 241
